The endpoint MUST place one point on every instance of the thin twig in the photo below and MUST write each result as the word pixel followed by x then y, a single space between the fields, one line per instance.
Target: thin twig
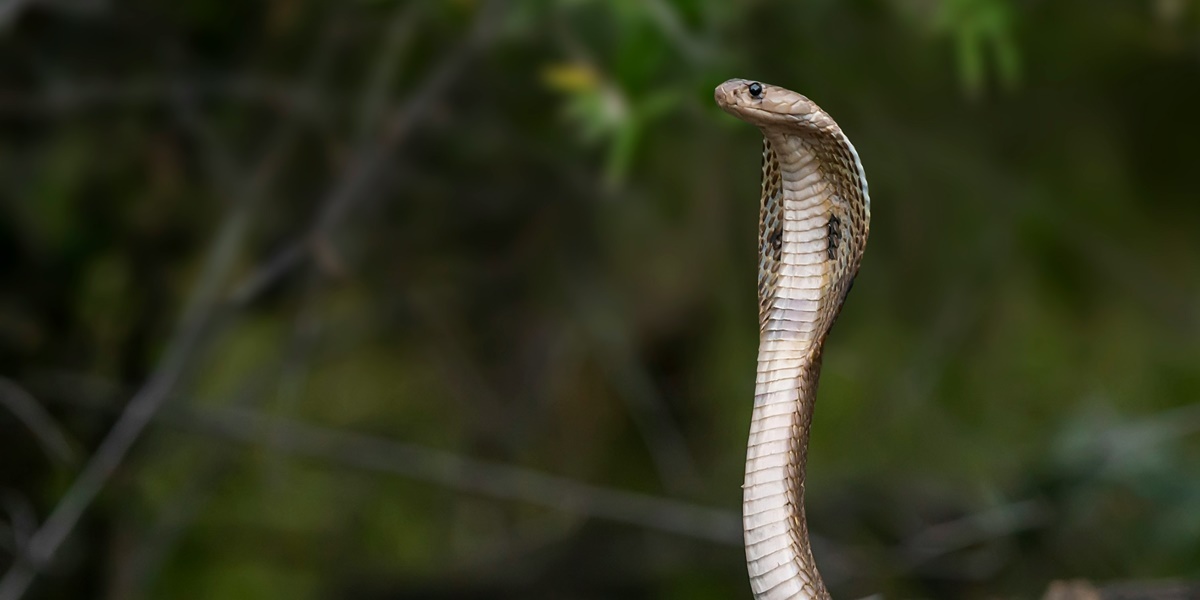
pixel 994 523
pixel 297 357
pixel 374 97
pixel 63 97
pixel 371 158
pixel 137 573
pixel 45 429
pixel 21 517
pixel 467 474
pixel 10 10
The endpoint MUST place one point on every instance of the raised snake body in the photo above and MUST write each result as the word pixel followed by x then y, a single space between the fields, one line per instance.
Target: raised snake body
pixel 813 227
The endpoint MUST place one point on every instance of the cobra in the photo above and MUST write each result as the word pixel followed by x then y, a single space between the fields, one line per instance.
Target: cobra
pixel 813 223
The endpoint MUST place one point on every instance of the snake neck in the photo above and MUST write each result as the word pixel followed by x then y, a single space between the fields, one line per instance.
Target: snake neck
pixel 811 235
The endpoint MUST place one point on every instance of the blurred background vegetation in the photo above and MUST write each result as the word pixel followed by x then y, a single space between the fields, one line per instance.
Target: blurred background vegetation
pixel 455 299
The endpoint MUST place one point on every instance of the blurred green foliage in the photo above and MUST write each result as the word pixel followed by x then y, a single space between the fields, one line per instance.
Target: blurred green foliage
pixel 521 233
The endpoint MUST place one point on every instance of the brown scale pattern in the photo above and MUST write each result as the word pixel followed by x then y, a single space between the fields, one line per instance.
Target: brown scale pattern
pixel 770 232
pixel 847 227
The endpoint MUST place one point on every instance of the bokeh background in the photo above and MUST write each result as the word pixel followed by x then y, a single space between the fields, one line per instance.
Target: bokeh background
pixel 455 299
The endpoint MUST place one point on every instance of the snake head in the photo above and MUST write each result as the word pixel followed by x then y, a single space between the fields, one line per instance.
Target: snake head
pixel 766 105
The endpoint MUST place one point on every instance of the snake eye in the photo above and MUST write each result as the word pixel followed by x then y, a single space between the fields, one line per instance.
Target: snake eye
pixel 756 90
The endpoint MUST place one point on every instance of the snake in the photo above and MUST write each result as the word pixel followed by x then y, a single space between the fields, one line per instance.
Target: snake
pixel 814 219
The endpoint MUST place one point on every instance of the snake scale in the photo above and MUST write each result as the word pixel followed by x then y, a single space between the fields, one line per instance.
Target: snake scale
pixel 813 226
